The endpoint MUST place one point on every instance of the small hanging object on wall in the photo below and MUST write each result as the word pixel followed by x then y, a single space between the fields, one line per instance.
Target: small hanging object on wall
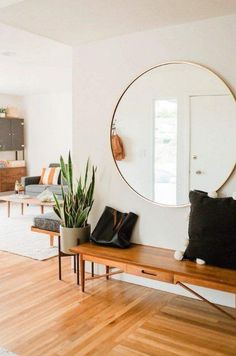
pixel 117 145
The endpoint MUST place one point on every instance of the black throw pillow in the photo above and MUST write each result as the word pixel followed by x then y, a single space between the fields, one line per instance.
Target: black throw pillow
pixel 212 230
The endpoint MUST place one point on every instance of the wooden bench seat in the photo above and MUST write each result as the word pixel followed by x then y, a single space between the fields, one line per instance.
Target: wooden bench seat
pixel 159 264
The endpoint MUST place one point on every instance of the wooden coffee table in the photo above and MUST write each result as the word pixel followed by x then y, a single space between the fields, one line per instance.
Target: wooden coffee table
pixel 16 199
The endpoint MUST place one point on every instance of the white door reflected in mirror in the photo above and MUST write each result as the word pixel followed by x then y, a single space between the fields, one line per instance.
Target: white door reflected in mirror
pixel 177 123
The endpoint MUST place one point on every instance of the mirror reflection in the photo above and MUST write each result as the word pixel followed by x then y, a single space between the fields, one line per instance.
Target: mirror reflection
pixel 173 131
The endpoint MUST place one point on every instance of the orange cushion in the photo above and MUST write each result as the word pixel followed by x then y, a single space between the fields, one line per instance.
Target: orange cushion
pixel 50 176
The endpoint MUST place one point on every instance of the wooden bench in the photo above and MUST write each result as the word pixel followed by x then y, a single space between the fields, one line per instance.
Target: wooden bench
pixel 158 264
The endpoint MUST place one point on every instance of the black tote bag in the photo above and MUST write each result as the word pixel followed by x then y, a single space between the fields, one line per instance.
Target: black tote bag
pixel 114 228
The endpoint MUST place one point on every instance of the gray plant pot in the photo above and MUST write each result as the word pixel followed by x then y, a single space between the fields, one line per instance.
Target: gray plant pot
pixel 71 237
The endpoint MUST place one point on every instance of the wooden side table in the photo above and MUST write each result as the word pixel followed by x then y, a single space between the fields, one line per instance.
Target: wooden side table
pixel 62 254
pixel 76 257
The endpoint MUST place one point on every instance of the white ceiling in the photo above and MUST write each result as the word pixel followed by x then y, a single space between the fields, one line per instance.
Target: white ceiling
pixel 75 22
pixel 32 64
pixel 5 3
pixel 32 59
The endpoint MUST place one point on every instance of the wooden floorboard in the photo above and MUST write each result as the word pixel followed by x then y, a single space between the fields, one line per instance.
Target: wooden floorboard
pixel 40 315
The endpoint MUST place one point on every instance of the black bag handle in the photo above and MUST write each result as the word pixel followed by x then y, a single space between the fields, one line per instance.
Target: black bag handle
pixel 114 219
pixel 117 225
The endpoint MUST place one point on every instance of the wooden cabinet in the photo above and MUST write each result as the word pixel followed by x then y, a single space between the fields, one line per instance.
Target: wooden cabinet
pixel 11 134
pixel 17 134
pixel 5 135
pixel 8 177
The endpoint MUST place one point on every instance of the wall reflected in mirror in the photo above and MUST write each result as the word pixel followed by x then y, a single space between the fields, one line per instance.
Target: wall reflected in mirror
pixel 177 124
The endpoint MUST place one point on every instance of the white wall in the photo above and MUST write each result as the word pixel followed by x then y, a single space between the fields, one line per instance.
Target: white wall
pixel 101 72
pixel 15 101
pixel 37 64
pixel 48 129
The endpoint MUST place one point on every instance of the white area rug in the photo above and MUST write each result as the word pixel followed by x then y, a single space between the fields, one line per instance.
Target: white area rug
pixel 16 237
pixel 4 352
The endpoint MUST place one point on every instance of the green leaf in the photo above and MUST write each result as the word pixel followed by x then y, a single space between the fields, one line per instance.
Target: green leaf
pixel 78 200
pixel 57 208
pixel 86 174
pixel 63 168
pixel 82 217
pixel 70 173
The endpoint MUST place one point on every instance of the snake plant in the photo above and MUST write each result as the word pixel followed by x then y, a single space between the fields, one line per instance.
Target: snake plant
pixel 78 200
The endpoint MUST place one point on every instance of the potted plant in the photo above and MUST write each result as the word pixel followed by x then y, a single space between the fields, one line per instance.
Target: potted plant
pixel 3 112
pixel 77 203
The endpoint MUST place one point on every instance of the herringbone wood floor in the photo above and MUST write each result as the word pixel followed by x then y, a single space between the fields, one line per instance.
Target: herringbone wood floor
pixel 40 315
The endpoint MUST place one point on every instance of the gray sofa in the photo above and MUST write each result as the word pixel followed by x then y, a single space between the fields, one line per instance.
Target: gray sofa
pixel 33 188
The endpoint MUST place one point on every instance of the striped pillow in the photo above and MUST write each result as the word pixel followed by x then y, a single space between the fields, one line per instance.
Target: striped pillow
pixel 50 176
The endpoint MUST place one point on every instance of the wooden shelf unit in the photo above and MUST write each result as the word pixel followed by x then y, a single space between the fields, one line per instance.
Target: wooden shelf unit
pixel 8 177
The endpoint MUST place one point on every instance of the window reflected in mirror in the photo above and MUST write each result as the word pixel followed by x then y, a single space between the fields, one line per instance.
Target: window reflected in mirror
pixel 165 150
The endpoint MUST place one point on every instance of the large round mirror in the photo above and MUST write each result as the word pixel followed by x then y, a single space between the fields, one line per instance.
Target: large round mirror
pixel 173 130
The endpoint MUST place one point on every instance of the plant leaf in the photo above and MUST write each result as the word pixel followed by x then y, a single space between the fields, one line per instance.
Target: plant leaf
pixel 70 173
pixel 78 200
pixel 63 168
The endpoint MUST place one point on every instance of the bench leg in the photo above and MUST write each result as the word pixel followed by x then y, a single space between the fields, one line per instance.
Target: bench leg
pixel 8 209
pixel 92 269
pixel 77 263
pixel 82 273
pixel 59 256
pixel 103 275
pixel 107 272
pixel 206 300
pixel 74 260
pixel 51 240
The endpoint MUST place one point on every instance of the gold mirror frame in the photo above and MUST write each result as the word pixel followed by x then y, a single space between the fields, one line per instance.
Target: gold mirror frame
pixel 119 100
